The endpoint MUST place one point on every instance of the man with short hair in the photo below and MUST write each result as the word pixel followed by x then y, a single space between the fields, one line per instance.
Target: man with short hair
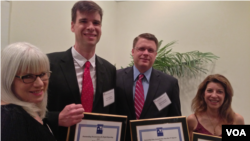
pixel 139 86
pixel 80 77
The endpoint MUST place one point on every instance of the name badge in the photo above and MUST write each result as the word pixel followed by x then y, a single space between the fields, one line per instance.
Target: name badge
pixel 162 101
pixel 108 97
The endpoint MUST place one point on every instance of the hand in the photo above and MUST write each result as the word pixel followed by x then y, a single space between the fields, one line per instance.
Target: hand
pixel 70 115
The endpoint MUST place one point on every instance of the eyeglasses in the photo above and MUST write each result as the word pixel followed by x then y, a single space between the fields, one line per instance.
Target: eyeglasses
pixel 142 49
pixel 30 78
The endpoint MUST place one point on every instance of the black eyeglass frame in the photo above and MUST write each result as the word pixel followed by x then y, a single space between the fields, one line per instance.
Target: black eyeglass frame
pixel 21 77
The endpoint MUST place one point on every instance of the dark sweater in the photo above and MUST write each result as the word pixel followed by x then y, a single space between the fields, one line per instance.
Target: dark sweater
pixel 18 125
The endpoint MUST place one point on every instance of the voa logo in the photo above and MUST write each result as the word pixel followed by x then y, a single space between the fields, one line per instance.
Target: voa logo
pixel 236 132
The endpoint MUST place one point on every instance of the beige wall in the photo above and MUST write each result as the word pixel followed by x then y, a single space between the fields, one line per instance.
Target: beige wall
pixel 219 27
pixel 47 25
pixel 5 15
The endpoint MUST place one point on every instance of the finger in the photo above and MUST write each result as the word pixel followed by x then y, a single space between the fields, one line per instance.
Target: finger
pixel 78 106
pixel 77 111
pixel 74 106
pixel 69 107
pixel 77 117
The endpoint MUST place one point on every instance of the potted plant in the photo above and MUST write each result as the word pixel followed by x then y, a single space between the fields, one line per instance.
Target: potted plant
pixel 181 64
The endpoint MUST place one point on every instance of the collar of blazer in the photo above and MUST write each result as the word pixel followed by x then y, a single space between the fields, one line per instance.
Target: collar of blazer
pixel 68 68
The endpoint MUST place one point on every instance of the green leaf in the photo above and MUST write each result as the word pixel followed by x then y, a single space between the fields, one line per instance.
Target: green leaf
pixel 180 64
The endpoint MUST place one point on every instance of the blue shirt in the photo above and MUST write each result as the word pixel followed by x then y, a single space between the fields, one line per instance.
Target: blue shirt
pixel 145 81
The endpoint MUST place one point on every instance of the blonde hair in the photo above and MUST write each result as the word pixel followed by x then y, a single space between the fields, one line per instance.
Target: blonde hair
pixel 22 57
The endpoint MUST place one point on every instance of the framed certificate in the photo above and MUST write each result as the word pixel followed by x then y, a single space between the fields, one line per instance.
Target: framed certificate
pixel 204 137
pixel 160 129
pixel 98 127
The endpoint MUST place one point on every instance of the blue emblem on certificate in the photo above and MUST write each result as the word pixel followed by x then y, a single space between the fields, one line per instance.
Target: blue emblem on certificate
pixel 159 131
pixel 99 128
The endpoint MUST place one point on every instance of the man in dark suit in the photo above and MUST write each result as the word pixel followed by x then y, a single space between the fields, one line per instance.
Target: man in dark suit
pixel 143 92
pixel 80 77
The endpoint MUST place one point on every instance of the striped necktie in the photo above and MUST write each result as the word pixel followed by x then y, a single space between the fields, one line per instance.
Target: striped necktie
pixel 139 97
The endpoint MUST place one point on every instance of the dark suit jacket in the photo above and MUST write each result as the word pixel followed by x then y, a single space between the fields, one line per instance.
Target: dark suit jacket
pixel 64 90
pixel 159 84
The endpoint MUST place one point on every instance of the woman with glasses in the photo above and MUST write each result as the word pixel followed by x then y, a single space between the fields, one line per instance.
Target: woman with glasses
pixel 212 107
pixel 25 76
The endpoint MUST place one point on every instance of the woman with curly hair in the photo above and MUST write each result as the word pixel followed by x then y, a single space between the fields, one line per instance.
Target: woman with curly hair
pixel 212 107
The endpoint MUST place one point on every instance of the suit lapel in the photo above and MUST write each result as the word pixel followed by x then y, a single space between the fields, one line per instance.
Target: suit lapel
pixel 68 69
pixel 100 76
pixel 128 84
pixel 152 90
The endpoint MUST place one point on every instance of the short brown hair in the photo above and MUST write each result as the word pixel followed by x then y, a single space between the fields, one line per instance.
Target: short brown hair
pixel 199 105
pixel 147 36
pixel 85 6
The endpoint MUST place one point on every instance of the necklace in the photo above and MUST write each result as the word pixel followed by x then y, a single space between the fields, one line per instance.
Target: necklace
pixel 213 124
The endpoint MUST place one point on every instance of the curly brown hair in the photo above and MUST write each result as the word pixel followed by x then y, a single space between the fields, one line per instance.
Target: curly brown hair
pixel 199 105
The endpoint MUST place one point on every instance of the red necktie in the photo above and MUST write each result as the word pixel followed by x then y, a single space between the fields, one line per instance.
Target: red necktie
pixel 139 97
pixel 87 89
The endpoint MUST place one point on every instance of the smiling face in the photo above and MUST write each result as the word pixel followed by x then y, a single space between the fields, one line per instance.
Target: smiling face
pixel 144 54
pixel 87 28
pixel 32 92
pixel 214 95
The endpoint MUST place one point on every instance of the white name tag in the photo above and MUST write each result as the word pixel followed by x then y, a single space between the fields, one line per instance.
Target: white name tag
pixel 108 97
pixel 162 101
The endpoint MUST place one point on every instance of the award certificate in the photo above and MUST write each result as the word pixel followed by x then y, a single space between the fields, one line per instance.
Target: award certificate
pixel 90 130
pixel 205 137
pixel 160 129
pixel 98 127
pixel 163 132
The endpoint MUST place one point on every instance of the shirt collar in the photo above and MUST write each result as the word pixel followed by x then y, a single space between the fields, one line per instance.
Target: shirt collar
pixel 147 74
pixel 80 60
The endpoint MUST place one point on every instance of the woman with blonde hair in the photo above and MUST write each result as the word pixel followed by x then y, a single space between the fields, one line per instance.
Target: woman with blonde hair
pixel 212 107
pixel 25 76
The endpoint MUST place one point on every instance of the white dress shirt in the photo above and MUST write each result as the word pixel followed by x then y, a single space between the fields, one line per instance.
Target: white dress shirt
pixel 79 62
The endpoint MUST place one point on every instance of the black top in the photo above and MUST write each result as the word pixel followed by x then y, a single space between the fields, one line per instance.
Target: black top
pixel 18 125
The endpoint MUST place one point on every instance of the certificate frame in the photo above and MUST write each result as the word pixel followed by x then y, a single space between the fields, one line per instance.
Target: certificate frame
pixel 205 137
pixel 156 121
pixel 100 117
